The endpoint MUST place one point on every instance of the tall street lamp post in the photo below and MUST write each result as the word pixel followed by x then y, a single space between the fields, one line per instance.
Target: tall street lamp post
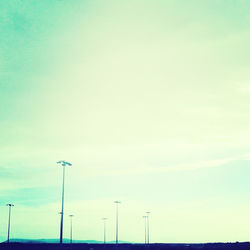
pixel 116 235
pixel 63 164
pixel 9 205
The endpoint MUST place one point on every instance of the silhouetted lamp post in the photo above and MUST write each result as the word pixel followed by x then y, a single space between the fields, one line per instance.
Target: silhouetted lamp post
pixel 116 236
pixel 71 215
pixel 9 205
pixel 63 164
pixel 104 230
pixel 145 228
pixel 148 224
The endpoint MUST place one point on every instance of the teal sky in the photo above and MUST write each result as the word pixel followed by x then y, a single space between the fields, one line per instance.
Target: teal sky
pixel 149 100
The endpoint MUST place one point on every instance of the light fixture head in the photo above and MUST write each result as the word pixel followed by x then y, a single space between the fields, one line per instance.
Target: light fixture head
pixel 64 163
pixel 10 205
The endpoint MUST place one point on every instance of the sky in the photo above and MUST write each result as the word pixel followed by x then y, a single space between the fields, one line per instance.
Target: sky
pixel 149 101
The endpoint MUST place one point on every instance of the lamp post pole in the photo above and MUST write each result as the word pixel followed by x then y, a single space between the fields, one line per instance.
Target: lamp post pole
pixel 63 164
pixel 145 228
pixel 148 224
pixel 104 230
pixel 71 215
pixel 9 205
pixel 116 235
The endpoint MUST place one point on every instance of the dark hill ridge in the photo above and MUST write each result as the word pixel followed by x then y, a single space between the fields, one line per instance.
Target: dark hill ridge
pixel 30 241
pixel 65 240
pixel 128 246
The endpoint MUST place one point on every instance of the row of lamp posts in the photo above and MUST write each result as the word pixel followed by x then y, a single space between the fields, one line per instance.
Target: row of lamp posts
pixel 146 223
pixel 64 164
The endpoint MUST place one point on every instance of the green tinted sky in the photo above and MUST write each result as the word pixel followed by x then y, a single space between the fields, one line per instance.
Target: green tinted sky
pixel 150 102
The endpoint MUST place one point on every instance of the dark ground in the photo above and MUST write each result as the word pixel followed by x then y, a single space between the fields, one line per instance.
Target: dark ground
pixel 84 246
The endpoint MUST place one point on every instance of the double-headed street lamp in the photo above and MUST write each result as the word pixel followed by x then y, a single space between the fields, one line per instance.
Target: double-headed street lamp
pixel 104 230
pixel 116 235
pixel 9 205
pixel 63 164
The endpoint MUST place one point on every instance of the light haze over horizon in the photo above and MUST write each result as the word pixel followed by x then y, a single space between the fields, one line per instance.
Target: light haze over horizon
pixel 149 100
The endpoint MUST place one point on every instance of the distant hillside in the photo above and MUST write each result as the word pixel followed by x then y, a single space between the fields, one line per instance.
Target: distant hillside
pixel 16 240
pixel 52 241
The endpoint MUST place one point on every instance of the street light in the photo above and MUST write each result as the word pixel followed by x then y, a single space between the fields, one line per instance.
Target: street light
pixel 71 215
pixel 63 164
pixel 148 224
pixel 9 205
pixel 145 228
pixel 104 230
pixel 116 238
